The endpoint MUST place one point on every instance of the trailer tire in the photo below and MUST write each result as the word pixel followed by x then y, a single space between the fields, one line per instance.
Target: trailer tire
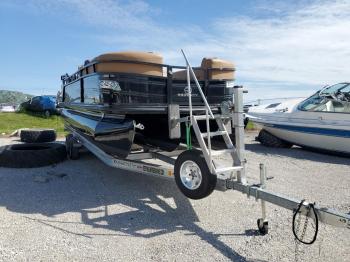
pixel 71 148
pixel 192 175
pixel 32 155
pixel 268 139
pixel 35 135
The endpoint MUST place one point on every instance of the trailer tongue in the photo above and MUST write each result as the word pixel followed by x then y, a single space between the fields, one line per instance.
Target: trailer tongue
pixel 199 171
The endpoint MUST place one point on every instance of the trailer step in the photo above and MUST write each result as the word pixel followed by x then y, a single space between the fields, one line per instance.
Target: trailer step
pixel 227 169
pixel 217 133
pixel 204 117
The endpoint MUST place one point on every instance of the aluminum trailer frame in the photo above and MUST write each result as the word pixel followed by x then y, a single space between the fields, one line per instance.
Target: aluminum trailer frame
pixel 135 163
pixel 235 181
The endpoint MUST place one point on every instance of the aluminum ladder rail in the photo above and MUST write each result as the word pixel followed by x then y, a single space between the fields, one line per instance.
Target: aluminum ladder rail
pixel 222 172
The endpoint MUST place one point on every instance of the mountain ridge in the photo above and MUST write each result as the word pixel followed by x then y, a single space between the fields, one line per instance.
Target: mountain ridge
pixel 13 97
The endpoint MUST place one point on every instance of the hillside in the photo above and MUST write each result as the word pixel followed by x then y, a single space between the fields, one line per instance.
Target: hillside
pixel 13 97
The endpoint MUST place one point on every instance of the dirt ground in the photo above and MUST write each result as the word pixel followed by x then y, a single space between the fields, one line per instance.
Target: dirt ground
pixel 85 211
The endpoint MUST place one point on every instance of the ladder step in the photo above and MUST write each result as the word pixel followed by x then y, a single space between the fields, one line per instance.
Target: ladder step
pixel 204 117
pixel 221 152
pixel 217 133
pixel 227 169
pixel 201 117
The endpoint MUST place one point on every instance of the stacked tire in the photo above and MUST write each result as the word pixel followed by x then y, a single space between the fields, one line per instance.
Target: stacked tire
pixel 38 149
pixel 38 135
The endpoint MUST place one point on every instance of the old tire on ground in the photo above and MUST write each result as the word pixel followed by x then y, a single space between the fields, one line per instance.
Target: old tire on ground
pixel 267 139
pixel 38 135
pixel 32 155
pixel 192 175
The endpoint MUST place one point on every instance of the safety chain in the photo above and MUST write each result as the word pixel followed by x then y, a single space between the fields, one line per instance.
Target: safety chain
pixel 310 207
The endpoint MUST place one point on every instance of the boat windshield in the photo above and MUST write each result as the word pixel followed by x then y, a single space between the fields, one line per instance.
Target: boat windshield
pixel 335 98
pixel 334 88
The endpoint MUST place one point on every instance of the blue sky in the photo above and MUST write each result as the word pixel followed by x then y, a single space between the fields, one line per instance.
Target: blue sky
pixel 280 48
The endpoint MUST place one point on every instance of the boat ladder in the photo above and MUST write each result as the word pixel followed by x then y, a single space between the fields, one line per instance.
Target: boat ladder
pixel 223 163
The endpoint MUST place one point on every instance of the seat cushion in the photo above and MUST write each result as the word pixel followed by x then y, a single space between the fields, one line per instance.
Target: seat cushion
pixel 217 69
pixel 148 57
pixel 107 63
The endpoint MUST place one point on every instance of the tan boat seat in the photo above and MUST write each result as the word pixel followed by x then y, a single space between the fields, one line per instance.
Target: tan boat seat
pixel 107 65
pixel 217 69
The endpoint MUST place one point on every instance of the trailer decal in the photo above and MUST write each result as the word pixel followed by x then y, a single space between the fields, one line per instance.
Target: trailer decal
pixel 153 170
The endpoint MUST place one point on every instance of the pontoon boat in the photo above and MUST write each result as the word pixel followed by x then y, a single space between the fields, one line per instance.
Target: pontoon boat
pixel 118 99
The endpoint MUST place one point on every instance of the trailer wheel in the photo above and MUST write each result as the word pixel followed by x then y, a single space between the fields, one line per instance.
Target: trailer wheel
pixel 267 139
pixel 192 175
pixel 72 149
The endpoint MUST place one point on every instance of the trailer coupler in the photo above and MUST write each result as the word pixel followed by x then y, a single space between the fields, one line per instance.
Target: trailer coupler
pixel 300 207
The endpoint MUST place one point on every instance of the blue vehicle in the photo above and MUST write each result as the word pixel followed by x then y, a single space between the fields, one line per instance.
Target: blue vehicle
pixel 44 104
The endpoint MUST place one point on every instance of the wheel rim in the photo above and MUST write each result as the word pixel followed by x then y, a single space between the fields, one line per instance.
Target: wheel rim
pixel 190 175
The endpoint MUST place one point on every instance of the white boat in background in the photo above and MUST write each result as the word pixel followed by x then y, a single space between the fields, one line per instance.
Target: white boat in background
pixel 321 121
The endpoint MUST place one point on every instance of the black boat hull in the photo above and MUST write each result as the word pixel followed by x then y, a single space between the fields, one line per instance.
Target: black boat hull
pixel 113 135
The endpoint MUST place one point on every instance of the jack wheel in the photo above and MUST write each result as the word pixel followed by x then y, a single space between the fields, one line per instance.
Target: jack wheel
pixel 263 226
pixel 192 175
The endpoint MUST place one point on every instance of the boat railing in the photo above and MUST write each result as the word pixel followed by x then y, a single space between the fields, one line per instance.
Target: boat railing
pixel 84 70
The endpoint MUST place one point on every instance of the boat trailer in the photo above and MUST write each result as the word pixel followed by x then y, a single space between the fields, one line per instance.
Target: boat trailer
pixel 228 177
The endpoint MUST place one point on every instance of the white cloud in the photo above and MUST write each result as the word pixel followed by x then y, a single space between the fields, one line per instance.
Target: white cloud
pixel 299 45
pixel 309 46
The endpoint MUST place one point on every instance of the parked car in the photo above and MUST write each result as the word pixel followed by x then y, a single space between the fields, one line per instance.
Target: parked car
pixel 7 108
pixel 45 104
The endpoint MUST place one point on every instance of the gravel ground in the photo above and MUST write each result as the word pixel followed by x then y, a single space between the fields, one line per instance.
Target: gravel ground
pixel 85 211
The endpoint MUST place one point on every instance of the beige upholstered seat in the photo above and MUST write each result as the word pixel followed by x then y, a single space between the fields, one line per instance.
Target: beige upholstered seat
pixel 217 69
pixel 107 63
pixel 217 65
